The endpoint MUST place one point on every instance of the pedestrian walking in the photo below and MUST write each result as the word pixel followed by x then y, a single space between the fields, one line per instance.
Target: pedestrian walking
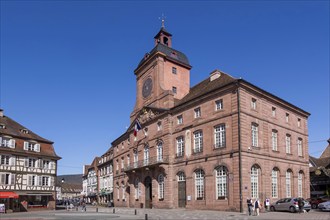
pixel 301 205
pixel 257 207
pixel 250 205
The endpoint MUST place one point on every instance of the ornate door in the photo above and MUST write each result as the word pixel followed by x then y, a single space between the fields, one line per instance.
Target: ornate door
pixel 148 192
pixel 182 194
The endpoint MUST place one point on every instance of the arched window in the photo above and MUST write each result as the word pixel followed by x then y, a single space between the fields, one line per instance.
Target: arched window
pixel 160 151
pixel 123 189
pixel 181 177
pixel 300 184
pixel 137 188
pixel 146 155
pixel 288 176
pixel 161 186
pixel 255 170
pixel 275 175
pixel 221 182
pixel 199 184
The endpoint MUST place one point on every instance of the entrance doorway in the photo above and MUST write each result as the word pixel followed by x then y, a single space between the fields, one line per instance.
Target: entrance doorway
pixel 181 190
pixel 148 192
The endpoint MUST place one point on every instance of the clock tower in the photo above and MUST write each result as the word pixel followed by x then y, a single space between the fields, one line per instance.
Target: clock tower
pixel 162 76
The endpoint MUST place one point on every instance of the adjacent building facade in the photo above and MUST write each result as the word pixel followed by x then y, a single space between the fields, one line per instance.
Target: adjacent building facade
pixel 209 146
pixel 28 168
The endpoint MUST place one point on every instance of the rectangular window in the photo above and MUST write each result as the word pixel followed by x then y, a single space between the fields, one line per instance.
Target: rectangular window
pixel 198 141
pixel 174 90
pixel 288 184
pixel 299 122
pixel 253 103
pixel 128 160
pixel 273 111
pixel 299 143
pixel 274 183
pixel 218 105
pixel 45 181
pixel 197 112
pixel 199 178
pixel 221 181
pixel 179 119
pixel 287 117
pixel 159 126
pixel 254 131
pixel 288 144
pixel 274 140
pixel 220 136
pixel 174 70
pixel 300 184
pixel 4 159
pixel 179 146
pixel 7 142
pixel 135 159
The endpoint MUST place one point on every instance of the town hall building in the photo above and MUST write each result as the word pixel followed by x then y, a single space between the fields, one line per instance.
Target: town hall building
pixel 209 146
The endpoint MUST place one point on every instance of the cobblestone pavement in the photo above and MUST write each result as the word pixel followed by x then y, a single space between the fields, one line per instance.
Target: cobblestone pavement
pixel 101 213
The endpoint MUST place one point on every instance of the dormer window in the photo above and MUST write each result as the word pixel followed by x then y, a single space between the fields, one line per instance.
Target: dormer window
pixel 31 146
pixel 24 131
pixel 2 126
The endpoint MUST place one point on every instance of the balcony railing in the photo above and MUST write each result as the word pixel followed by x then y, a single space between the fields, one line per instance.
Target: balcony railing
pixel 151 161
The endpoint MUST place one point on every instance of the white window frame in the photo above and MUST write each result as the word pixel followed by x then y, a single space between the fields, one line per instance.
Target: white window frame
pixel 146 155
pixel 275 183
pixel 253 103
pixel 220 136
pixel 219 105
pixel 159 126
pixel 221 182
pixel 197 112
pixel 160 151
pixel 179 119
pixel 300 184
pixel 161 186
pixel 255 181
pixel 274 112
pixel 254 133
pixel 135 158
pixel 198 141
pixel 300 147
pixel 288 144
pixel 199 184
pixel 274 140
pixel 180 146
pixel 288 176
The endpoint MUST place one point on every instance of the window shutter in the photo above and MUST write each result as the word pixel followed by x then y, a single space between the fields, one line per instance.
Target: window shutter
pixel 26 162
pixel 52 165
pixel 12 143
pixel 26 145
pixel 12 179
pixel 37 147
pixel 2 178
pixel 40 163
pixel 12 161
pixel 0 141
pixel 51 181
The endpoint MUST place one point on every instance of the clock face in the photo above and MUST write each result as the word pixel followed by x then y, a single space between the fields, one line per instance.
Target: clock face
pixel 147 87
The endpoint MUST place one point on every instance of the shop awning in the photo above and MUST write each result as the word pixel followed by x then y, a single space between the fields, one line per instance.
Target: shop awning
pixel 8 195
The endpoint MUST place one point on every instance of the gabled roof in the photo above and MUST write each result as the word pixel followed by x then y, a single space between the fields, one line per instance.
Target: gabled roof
pixel 205 87
pixel 14 129
pixel 326 152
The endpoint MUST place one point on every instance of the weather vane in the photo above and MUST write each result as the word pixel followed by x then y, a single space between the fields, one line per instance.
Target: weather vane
pixel 163 20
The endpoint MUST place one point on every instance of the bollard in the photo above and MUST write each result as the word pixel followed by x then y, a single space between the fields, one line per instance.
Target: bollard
pixel 113 210
pixel 135 211
pixel 146 217
pixel 97 209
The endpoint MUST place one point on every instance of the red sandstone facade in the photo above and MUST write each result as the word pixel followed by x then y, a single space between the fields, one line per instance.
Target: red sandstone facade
pixel 210 146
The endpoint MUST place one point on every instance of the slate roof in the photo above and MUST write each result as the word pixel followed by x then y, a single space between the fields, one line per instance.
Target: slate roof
pixel 205 87
pixel 171 54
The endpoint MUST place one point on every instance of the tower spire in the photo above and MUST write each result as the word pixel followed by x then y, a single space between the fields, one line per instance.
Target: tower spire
pixel 162 18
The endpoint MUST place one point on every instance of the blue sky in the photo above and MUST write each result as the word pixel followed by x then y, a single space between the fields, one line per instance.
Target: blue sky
pixel 67 66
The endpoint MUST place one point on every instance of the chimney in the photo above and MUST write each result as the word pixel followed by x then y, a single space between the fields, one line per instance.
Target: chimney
pixel 215 75
pixel 1 112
